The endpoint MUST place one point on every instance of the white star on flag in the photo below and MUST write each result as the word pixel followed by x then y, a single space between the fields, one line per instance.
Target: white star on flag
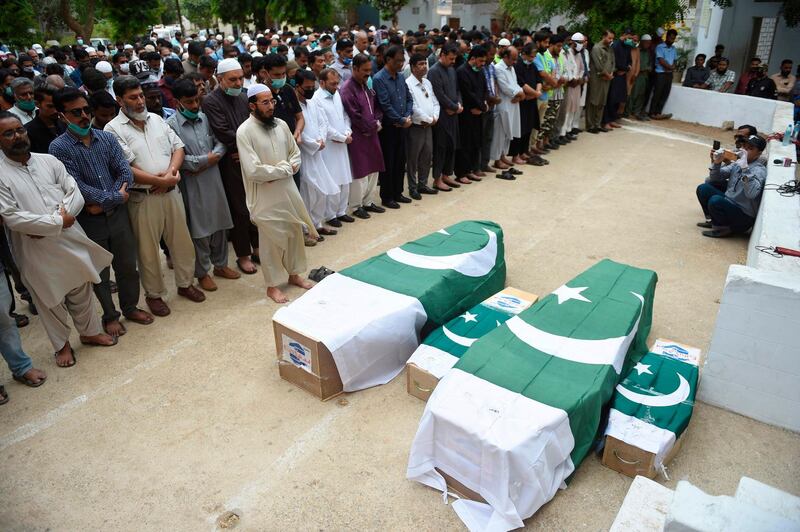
pixel 565 293
pixel 468 317
pixel 642 368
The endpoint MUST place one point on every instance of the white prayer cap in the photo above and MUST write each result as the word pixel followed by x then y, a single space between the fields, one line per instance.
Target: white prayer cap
pixel 218 37
pixel 336 28
pixel 226 65
pixel 276 38
pixel 185 56
pixel 90 50
pixel 49 60
pixel 230 38
pixel 128 47
pixel 578 37
pixel 256 54
pixel 245 37
pixel 372 28
pixel 504 42
pixel 400 33
pixel 259 35
pixel 37 47
pixel 660 31
pixel 256 89
pixel 253 48
pixel 149 48
pixel 104 67
pixel 646 37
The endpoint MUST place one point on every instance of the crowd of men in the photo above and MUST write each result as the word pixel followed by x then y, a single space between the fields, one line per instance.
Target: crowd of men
pixel 112 157
pixel 715 74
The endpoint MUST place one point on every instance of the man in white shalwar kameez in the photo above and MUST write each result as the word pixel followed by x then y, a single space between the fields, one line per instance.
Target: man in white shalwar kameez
pixel 270 157
pixel 335 155
pixel 508 124
pixel 58 262
pixel 317 187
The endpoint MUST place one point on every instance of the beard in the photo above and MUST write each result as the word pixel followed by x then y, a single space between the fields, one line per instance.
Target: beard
pixel 141 116
pixel 268 121
pixel 22 147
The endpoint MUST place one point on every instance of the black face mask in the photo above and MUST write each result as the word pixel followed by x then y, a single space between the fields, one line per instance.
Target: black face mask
pixel 542 49
pixel 308 93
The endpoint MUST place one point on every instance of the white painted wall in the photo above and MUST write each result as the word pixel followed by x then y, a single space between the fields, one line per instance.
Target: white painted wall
pixel 712 108
pixel 707 36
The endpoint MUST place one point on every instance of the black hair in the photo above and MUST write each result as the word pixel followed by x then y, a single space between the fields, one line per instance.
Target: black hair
pixel 326 72
pixel 184 88
pixel 54 68
pixel 300 51
pixel 303 75
pixel 274 61
pixel 245 58
pixel 540 36
pixel 478 51
pixel 125 83
pixel 392 51
pixel 416 58
pixel 751 130
pixel 343 44
pixel 102 100
pixel 359 60
pixel 173 66
pixel 196 48
pixel 206 61
pixel 66 95
pixel 449 48
pixel 672 31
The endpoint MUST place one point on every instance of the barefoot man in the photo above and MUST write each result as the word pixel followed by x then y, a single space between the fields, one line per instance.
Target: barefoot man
pixel 38 203
pixel 270 157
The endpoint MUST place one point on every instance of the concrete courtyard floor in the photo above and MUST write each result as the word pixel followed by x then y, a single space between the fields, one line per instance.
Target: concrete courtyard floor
pixel 187 418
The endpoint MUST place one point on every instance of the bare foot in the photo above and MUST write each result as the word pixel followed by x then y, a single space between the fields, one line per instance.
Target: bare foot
pixel 115 328
pixel 246 264
pixel 103 340
pixel 35 376
pixel 297 280
pixel 275 294
pixel 64 358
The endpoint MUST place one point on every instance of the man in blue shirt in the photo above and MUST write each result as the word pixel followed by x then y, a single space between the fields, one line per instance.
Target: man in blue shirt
pixel 96 161
pixel 665 65
pixel 396 103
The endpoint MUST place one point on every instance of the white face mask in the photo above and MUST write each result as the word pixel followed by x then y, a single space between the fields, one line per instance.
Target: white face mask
pixel 578 46
pixel 124 68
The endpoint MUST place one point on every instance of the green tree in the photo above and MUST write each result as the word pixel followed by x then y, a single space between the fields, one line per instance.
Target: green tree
pixel 132 18
pixel 78 16
pixel 390 8
pixel 643 16
pixel 199 12
pixel 17 23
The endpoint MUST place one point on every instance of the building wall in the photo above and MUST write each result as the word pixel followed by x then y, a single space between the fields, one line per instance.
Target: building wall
pixel 469 12
pixel 736 31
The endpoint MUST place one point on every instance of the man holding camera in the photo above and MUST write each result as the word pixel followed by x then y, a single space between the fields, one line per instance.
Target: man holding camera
pixel 735 209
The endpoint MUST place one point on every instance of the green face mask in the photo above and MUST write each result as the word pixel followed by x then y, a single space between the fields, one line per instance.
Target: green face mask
pixel 476 69
pixel 78 130
pixel 233 92
pixel 629 42
pixel 278 83
pixel 369 83
pixel 188 114
pixel 9 92
pixel 26 105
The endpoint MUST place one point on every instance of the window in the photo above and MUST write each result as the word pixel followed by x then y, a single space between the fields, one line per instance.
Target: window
pixel 415 11
pixel 763 36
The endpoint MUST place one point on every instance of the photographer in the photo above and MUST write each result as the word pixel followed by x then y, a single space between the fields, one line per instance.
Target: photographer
pixel 735 210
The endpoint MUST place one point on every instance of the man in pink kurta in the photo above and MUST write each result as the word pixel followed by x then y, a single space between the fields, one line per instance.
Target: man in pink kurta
pixel 366 158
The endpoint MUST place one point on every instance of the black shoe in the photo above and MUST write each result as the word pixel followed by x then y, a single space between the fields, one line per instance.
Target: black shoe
pixel 553 145
pixel 506 175
pixel 572 136
pixel 563 140
pixel 704 225
pixel 594 131
pixel 374 208
pixel 415 195
pixel 346 218
pixel 334 223
pixel 513 171
pixel 575 131
pixel 403 199
pixel 425 189
pixel 603 130
pixel 361 213
pixel 391 204
pixel 717 233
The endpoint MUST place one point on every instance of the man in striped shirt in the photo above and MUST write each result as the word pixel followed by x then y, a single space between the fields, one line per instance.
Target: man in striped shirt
pixel 96 161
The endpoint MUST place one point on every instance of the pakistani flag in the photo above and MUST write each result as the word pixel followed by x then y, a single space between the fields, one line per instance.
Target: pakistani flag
pixel 444 346
pixel 521 408
pixel 371 315
pixel 653 404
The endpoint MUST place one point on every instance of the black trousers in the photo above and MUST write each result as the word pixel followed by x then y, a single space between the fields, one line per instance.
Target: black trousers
pixel 393 146
pixel 12 271
pixel 661 90
pixel 520 145
pixel 444 153
pixel 468 154
pixel 243 235
pixel 113 232
pixel 487 122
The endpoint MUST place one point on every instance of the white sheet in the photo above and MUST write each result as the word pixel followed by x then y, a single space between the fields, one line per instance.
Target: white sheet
pixel 370 331
pixel 636 432
pixel 513 451
pixel 433 360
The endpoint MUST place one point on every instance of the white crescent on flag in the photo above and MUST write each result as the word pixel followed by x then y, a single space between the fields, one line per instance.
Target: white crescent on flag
pixel 609 351
pixel 670 399
pixel 472 264
pixel 458 339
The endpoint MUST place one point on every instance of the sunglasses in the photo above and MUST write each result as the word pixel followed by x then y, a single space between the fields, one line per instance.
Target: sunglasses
pixel 77 113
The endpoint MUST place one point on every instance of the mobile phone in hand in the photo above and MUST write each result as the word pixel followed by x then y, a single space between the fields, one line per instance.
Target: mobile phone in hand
pixel 716 145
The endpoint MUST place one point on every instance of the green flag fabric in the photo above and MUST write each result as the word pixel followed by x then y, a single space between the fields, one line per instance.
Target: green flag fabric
pixel 652 406
pixel 371 315
pixel 560 359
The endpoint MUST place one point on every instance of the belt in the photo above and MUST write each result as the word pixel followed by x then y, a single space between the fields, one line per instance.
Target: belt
pixel 108 213
pixel 148 190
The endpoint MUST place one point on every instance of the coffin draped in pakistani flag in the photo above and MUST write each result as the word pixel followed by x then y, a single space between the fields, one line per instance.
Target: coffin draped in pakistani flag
pixel 370 316
pixel 652 406
pixel 521 408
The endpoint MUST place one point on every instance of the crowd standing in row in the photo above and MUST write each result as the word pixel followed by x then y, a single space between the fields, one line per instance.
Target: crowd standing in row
pixel 112 156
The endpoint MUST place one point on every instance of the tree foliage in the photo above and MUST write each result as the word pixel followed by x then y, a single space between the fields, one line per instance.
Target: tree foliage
pixel 199 12
pixel 132 18
pixel 16 19
pixel 643 16
pixel 245 12
pixel 389 8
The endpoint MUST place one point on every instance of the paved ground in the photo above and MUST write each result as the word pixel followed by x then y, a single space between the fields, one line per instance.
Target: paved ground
pixel 187 418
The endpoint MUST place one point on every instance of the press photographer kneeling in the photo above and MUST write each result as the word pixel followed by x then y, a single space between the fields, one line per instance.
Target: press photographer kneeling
pixel 742 180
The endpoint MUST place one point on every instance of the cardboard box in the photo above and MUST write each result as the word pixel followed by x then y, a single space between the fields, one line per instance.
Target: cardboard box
pixel 420 382
pixel 306 362
pixel 631 460
pixel 454 486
